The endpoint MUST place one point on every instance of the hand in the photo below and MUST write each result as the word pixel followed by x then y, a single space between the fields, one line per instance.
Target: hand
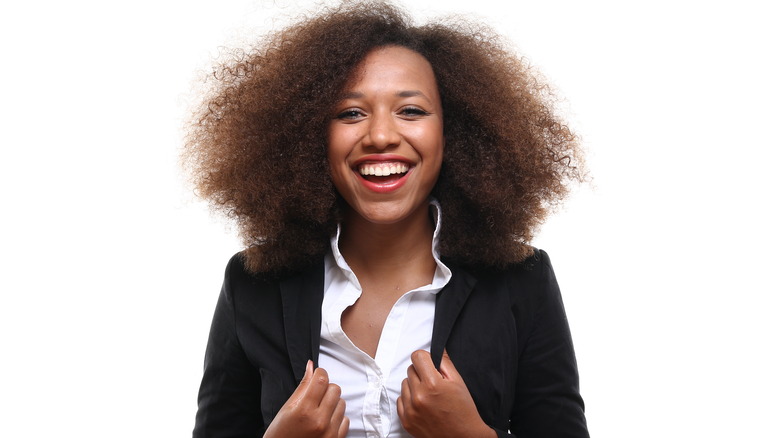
pixel 314 410
pixel 436 403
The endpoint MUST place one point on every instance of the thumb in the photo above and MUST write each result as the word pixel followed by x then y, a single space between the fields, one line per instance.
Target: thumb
pixel 447 368
pixel 309 371
pixel 307 375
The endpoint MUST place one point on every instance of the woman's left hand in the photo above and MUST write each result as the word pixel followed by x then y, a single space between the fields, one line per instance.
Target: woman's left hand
pixel 436 403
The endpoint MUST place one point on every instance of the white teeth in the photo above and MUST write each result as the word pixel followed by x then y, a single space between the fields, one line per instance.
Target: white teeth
pixel 383 169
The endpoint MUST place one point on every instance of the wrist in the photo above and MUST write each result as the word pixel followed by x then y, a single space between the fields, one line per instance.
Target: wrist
pixel 483 431
pixel 488 432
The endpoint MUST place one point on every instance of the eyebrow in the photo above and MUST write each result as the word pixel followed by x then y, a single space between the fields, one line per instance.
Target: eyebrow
pixel 410 93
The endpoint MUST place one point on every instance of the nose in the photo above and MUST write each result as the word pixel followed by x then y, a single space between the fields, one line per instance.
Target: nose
pixel 382 132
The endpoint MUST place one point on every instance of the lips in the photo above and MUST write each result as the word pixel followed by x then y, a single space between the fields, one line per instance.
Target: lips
pixel 383 176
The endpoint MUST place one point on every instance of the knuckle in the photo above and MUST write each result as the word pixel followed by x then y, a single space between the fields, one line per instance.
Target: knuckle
pixel 419 400
pixel 320 373
pixel 430 386
pixel 315 423
pixel 419 354
pixel 323 424
pixel 321 378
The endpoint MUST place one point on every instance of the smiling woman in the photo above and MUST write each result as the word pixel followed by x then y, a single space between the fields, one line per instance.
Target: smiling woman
pixel 258 148
pixel 385 144
pixel 388 287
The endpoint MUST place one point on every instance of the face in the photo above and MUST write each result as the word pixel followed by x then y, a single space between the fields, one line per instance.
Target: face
pixel 386 141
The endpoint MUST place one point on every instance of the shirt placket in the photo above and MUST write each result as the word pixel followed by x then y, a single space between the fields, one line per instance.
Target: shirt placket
pixel 372 404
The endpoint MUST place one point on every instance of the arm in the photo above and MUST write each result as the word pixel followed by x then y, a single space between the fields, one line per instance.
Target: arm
pixel 229 396
pixel 547 399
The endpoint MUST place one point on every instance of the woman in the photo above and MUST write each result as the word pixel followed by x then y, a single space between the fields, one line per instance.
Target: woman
pixel 386 179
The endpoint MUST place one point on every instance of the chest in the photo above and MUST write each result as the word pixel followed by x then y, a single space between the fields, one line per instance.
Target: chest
pixel 480 331
pixel 370 373
pixel 363 321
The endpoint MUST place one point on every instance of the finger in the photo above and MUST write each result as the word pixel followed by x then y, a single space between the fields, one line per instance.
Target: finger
pixel 344 427
pixel 423 366
pixel 337 418
pixel 447 368
pixel 307 375
pixel 406 391
pixel 318 386
pixel 411 374
pixel 330 399
pixel 341 409
pixel 404 400
pixel 305 381
pixel 399 404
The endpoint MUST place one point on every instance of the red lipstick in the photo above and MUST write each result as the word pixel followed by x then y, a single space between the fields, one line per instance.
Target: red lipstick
pixel 389 173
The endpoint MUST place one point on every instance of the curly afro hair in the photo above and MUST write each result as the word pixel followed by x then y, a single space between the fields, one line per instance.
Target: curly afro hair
pixel 257 146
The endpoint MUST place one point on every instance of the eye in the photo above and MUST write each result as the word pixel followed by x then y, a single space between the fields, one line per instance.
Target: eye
pixel 350 114
pixel 413 112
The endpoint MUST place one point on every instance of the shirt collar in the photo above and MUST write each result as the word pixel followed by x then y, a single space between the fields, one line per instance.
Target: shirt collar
pixel 442 274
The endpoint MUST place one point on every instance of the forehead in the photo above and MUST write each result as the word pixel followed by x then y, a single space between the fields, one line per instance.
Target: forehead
pixel 394 67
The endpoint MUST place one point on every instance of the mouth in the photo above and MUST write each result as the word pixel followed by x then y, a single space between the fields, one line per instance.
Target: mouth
pixel 383 176
pixel 383 172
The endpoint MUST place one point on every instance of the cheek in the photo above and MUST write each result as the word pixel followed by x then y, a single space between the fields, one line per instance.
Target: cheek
pixel 336 169
pixel 430 137
pixel 340 141
pixel 335 150
pixel 437 154
pixel 337 164
pixel 434 147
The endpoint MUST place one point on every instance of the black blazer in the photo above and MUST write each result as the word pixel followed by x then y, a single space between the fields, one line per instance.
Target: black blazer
pixel 506 333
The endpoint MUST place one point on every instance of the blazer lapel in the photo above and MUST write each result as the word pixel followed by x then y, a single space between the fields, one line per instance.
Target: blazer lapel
pixel 449 302
pixel 302 312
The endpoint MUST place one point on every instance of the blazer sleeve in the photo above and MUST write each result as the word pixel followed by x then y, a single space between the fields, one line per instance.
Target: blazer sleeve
pixel 229 396
pixel 547 399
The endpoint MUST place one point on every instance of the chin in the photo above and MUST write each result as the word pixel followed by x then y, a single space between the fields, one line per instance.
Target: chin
pixel 384 217
pixel 389 213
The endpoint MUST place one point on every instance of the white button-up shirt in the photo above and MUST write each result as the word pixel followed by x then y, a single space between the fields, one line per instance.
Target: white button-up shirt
pixel 371 386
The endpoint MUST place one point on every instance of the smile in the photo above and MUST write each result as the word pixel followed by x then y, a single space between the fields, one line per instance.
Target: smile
pixel 383 169
pixel 383 176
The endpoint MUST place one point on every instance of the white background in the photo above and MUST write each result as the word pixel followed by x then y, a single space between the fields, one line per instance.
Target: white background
pixel 110 268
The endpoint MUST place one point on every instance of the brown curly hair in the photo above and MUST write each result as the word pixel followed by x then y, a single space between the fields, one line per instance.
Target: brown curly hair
pixel 257 146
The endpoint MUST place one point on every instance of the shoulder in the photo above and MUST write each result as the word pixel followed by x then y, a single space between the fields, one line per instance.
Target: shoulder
pixel 534 269
pixel 528 284
pixel 255 300
pixel 536 264
pixel 238 273
pixel 241 285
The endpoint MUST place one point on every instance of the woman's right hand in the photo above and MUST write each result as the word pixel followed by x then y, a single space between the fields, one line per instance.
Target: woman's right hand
pixel 314 410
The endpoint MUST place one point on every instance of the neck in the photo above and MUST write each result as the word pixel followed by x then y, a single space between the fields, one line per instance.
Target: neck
pixel 388 249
